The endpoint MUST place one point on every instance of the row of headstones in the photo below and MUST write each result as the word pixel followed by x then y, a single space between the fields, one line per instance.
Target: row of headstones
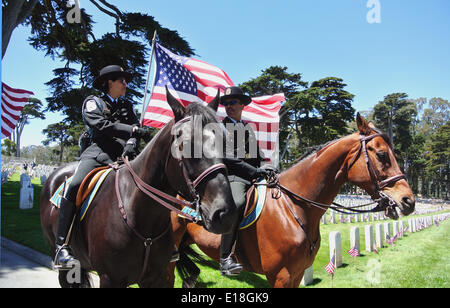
pixel 382 234
pixel 7 172
pixel 352 218
pixel 344 218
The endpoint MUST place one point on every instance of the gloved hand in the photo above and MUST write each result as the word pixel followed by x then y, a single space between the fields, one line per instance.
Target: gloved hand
pixel 142 132
pixel 130 151
pixel 261 172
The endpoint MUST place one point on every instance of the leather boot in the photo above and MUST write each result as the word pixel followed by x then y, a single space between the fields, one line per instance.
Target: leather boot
pixel 63 256
pixel 228 266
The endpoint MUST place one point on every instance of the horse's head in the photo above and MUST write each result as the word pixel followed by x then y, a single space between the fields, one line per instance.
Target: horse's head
pixel 195 167
pixel 372 165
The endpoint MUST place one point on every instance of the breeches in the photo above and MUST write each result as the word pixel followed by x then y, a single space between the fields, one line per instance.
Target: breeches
pixel 84 167
pixel 239 192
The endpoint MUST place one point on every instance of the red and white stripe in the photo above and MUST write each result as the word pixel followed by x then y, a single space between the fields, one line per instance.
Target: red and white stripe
pixel 13 101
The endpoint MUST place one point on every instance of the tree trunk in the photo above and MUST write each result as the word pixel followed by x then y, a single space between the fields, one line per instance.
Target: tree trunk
pixel 13 14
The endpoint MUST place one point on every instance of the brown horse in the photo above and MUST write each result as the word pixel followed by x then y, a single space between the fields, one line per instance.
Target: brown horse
pixel 285 239
pixel 130 241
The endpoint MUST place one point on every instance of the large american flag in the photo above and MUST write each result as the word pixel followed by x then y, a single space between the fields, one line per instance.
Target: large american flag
pixel 191 80
pixel 13 101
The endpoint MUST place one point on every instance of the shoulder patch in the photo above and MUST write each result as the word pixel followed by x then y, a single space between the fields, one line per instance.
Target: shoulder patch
pixel 91 105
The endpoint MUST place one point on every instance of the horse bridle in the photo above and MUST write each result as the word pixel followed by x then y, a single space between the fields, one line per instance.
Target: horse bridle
pixel 384 201
pixel 160 196
pixel 374 174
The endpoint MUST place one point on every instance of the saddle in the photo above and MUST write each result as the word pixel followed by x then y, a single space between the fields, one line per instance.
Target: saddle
pixel 87 190
pixel 88 184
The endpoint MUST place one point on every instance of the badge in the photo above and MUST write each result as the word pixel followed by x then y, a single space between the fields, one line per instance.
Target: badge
pixel 228 91
pixel 91 105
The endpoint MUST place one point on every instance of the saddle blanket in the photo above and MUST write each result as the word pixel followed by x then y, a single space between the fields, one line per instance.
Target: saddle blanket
pixel 56 198
pixel 254 212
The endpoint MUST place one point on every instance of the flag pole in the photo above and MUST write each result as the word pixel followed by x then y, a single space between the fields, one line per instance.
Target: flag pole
pixel 144 104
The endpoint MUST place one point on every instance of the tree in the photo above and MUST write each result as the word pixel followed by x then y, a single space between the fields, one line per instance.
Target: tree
pixel 395 115
pixel 439 160
pixel 83 55
pixel 8 147
pixel 273 80
pixel 323 111
pixel 63 134
pixel 32 110
pixel 14 13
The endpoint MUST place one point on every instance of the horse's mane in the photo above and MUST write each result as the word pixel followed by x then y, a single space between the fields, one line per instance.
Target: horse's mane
pixel 313 150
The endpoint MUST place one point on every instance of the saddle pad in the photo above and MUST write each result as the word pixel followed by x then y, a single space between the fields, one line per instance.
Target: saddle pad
pixel 253 216
pixel 56 198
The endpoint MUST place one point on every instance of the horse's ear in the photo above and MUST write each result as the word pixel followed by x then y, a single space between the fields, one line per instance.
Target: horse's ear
pixel 214 104
pixel 363 127
pixel 371 125
pixel 178 109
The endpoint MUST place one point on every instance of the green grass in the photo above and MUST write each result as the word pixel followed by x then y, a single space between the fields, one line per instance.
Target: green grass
pixel 418 260
pixel 22 226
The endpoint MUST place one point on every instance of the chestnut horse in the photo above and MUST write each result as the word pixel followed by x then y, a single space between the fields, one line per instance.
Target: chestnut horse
pixel 131 241
pixel 285 239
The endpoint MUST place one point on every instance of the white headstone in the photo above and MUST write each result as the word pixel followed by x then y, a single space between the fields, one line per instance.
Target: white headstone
pixel 368 233
pixel 335 247
pixel 387 230
pixel 379 235
pixel 395 228
pixel 401 226
pixel 354 238
pixel 26 197
pixel 324 218
pixel 308 276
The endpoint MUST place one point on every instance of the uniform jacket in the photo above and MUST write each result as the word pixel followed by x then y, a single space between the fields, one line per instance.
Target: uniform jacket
pixel 241 169
pixel 111 128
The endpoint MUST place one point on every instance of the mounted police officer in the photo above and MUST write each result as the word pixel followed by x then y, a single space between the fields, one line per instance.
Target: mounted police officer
pixel 243 166
pixel 113 132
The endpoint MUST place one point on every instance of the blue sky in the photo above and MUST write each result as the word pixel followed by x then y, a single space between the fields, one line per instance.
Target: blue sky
pixel 408 51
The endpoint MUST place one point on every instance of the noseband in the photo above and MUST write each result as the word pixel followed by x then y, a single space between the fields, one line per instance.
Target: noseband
pixel 373 172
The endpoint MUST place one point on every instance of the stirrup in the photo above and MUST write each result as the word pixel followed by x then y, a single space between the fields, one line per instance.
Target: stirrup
pixel 70 259
pixel 228 267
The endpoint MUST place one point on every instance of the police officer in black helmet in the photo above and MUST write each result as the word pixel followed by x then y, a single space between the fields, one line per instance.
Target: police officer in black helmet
pixel 114 130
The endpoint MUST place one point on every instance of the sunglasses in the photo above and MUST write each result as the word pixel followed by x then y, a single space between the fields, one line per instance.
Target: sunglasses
pixel 230 103
pixel 121 79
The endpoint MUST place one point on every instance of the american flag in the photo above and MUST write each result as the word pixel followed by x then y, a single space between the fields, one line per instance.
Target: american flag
pixel 353 252
pixel 374 247
pixel 330 266
pixel 191 80
pixel 390 240
pixel 13 101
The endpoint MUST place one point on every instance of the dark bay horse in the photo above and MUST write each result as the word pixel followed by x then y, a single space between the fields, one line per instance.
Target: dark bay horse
pixel 286 238
pixel 134 244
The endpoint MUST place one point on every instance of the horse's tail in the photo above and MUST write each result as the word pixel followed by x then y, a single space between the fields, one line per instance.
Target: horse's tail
pixel 186 267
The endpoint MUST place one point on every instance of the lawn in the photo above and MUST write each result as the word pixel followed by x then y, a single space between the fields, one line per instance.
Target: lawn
pixel 418 260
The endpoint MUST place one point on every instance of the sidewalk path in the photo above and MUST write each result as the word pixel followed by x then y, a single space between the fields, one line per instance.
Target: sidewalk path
pixel 23 267
pixel 19 272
